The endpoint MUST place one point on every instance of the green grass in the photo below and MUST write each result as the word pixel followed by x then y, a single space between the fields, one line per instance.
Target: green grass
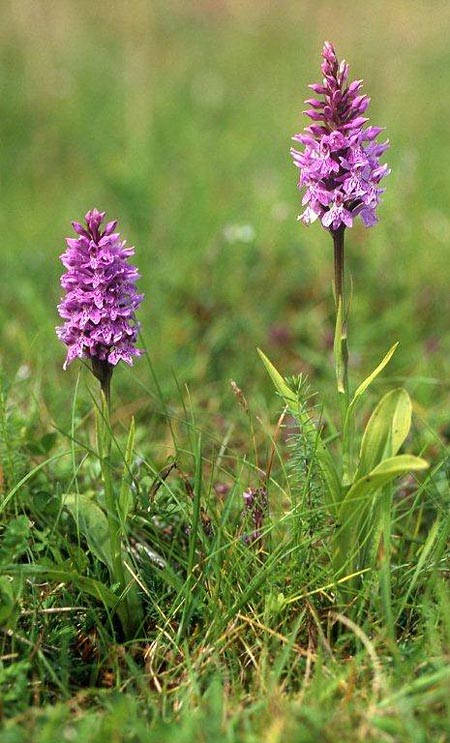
pixel 176 118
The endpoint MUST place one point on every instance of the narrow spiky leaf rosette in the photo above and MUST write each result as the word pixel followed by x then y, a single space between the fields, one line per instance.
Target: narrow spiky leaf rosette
pixel 101 297
pixel 339 166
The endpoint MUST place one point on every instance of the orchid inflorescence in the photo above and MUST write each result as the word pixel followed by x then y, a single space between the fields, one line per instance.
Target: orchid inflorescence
pixel 339 166
pixel 101 297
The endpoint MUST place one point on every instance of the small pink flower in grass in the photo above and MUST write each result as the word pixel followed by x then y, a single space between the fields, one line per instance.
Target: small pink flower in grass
pixel 101 297
pixel 340 162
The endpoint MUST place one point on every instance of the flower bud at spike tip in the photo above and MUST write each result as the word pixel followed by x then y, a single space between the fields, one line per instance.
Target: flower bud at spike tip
pixel 339 165
pixel 99 306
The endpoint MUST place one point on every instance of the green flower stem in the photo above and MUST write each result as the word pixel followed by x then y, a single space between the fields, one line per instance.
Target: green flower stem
pixel 117 565
pixel 341 346
pixel 340 341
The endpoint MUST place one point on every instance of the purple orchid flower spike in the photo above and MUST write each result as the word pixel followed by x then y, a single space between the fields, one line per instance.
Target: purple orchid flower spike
pixel 101 297
pixel 339 166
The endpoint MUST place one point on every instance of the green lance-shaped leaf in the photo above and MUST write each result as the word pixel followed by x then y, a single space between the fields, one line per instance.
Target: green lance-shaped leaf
pixel 324 459
pixel 368 381
pixel 281 385
pixel 358 501
pixel 386 430
pixel 125 501
pixel 381 475
pixel 92 523
pixel 340 349
pixel 364 385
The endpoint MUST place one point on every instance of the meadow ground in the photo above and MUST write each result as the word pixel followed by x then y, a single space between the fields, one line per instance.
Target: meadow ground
pixel 175 117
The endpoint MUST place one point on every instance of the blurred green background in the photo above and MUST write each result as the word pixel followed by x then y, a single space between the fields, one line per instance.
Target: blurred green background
pixel 175 117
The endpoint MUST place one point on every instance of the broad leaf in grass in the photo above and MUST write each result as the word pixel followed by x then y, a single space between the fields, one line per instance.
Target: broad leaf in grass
pixel 386 430
pixel 381 475
pixel 352 533
pixel 92 523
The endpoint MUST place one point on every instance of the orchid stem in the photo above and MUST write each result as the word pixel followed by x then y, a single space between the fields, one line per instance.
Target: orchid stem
pixel 117 568
pixel 340 339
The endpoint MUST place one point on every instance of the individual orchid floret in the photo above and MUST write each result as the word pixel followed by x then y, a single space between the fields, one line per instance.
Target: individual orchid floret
pixel 339 164
pixel 99 306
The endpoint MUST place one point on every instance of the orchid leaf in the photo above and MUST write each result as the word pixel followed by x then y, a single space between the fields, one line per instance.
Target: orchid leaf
pixel 92 524
pixel 365 384
pixel 359 498
pixel 340 349
pixel 281 385
pixel 125 501
pixel 352 536
pixel 381 475
pixel 368 381
pixel 386 430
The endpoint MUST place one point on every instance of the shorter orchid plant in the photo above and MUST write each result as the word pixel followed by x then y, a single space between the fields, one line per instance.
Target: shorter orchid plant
pixel 98 310
pixel 340 174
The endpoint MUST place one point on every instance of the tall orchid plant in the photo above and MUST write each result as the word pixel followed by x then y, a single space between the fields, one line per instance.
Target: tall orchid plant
pixel 340 170
pixel 340 174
